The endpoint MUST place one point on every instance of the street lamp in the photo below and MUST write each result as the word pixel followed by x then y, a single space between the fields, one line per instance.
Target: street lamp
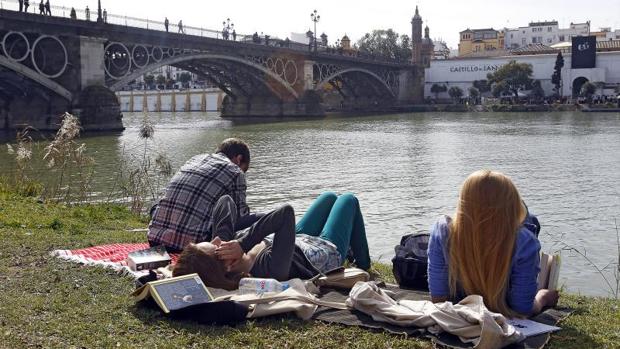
pixel 315 17
pixel 228 26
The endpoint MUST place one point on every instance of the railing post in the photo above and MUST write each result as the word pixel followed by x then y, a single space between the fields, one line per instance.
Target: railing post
pixel 125 21
pixel 147 23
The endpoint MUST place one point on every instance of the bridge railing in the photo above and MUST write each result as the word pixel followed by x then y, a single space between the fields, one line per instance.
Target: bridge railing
pixel 92 15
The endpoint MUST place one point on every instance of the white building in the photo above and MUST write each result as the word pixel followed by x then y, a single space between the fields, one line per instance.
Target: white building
pixel 440 50
pixel 462 72
pixel 546 33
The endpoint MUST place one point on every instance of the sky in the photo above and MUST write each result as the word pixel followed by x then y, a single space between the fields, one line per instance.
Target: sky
pixel 355 18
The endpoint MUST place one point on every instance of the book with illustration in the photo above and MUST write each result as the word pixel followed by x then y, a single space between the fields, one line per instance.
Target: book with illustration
pixel 175 293
pixel 549 275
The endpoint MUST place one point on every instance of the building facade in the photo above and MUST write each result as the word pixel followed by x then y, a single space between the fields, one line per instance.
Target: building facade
pixel 546 33
pixel 480 40
pixel 462 72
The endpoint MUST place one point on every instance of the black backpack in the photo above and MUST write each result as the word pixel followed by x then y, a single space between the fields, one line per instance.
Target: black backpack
pixel 410 263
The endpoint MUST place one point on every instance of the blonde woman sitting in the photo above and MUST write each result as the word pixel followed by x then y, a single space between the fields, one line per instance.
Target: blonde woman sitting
pixel 489 249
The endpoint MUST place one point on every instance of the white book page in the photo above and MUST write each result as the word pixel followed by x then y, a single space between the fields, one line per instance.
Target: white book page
pixel 531 328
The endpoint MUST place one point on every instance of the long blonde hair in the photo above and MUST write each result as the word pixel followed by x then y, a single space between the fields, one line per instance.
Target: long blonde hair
pixel 482 238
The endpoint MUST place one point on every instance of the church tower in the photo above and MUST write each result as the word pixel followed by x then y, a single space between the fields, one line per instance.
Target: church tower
pixel 416 38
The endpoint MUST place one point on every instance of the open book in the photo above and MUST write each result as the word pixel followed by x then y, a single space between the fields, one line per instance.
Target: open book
pixel 531 328
pixel 175 293
pixel 549 274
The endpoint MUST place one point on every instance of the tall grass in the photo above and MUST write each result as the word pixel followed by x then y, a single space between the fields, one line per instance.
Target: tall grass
pixel 139 177
pixel 22 153
pixel 68 160
pixel 612 282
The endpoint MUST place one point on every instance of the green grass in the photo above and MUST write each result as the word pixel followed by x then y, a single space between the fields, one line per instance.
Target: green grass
pixel 46 302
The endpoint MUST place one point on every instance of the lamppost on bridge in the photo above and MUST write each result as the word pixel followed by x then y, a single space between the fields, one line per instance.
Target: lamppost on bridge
pixel 99 17
pixel 315 17
pixel 228 26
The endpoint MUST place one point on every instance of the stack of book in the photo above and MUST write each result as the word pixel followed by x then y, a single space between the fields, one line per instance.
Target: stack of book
pixel 151 258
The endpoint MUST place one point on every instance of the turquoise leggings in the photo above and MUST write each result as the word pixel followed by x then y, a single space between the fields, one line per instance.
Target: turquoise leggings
pixel 339 220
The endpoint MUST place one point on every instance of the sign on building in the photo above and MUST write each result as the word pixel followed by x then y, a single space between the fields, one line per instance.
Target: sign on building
pixel 584 52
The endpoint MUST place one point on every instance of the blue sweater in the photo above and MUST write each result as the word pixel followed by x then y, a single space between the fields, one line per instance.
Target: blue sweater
pixel 523 270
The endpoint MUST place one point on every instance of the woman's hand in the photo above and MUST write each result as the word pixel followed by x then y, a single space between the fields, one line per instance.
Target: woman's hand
pixel 229 251
pixel 545 298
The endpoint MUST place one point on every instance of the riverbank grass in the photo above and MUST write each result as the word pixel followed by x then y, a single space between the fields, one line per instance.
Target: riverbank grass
pixel 47 302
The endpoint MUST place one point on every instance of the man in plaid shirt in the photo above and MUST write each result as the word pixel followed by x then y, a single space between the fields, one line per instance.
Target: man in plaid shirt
pixel 185 213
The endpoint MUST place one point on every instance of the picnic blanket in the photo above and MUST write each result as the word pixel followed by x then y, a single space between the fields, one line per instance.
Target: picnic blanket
pixel 113 256
pixel 357 318
pixel 110 256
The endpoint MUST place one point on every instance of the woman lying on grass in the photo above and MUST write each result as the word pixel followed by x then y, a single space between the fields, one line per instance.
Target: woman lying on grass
pixel 490 248
pixel 318 243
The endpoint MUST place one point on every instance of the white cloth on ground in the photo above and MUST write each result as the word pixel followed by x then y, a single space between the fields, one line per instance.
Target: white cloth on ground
pixel 469 319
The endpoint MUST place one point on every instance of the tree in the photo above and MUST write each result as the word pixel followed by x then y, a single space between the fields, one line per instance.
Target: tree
pixel 437 89
pixel 149 79
pixel 500 89
pixel 185 78
pixel 482 86
pixel 474 93
pixel 515 76
pixel 386 43
pixel 456 93
pixel 160 80
pixel 556 77
pixel 588 90
pixel 537 91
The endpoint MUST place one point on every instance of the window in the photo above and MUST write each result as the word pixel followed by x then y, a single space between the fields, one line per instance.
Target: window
pixel 533 40
pixel 523 41
pixel 561 37
pixel 549 29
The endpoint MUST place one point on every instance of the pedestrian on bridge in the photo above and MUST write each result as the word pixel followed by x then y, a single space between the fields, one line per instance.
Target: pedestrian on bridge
pixel 48 9
pixel 166 22
pixel 26 5
pixel 72 14
pixel 234 34
pixel 181 27
pixel 21 5
pixel 105 16
pixel 42 8
pixel 87 13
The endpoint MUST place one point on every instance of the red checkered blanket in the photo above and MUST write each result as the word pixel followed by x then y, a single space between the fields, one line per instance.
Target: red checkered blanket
pixel 111 256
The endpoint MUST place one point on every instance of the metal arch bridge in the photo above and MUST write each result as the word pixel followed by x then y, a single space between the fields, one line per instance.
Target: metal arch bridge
pixel 39 54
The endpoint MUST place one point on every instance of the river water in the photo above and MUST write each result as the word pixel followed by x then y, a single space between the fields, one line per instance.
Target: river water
pixel 407 169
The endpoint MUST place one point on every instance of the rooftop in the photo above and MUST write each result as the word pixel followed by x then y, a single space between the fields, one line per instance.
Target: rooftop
pixel 479 30
pixel 543 24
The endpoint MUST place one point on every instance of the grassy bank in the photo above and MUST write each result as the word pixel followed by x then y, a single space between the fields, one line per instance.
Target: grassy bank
pixel 46 302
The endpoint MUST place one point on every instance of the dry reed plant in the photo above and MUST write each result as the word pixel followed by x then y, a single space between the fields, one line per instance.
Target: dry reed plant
pixel 69 161
pixel 22 153
pixel 140 178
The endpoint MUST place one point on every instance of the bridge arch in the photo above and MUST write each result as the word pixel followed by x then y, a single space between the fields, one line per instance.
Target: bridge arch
pixel 203 56
pixel 369 73
pixel 36 77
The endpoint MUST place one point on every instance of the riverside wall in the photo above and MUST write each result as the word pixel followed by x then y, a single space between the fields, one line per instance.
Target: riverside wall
pixel 198 100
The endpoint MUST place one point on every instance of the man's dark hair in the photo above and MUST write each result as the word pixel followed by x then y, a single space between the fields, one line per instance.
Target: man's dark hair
pixel 232 147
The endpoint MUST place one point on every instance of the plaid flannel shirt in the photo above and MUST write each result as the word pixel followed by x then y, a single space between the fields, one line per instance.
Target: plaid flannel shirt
pixel 184 215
